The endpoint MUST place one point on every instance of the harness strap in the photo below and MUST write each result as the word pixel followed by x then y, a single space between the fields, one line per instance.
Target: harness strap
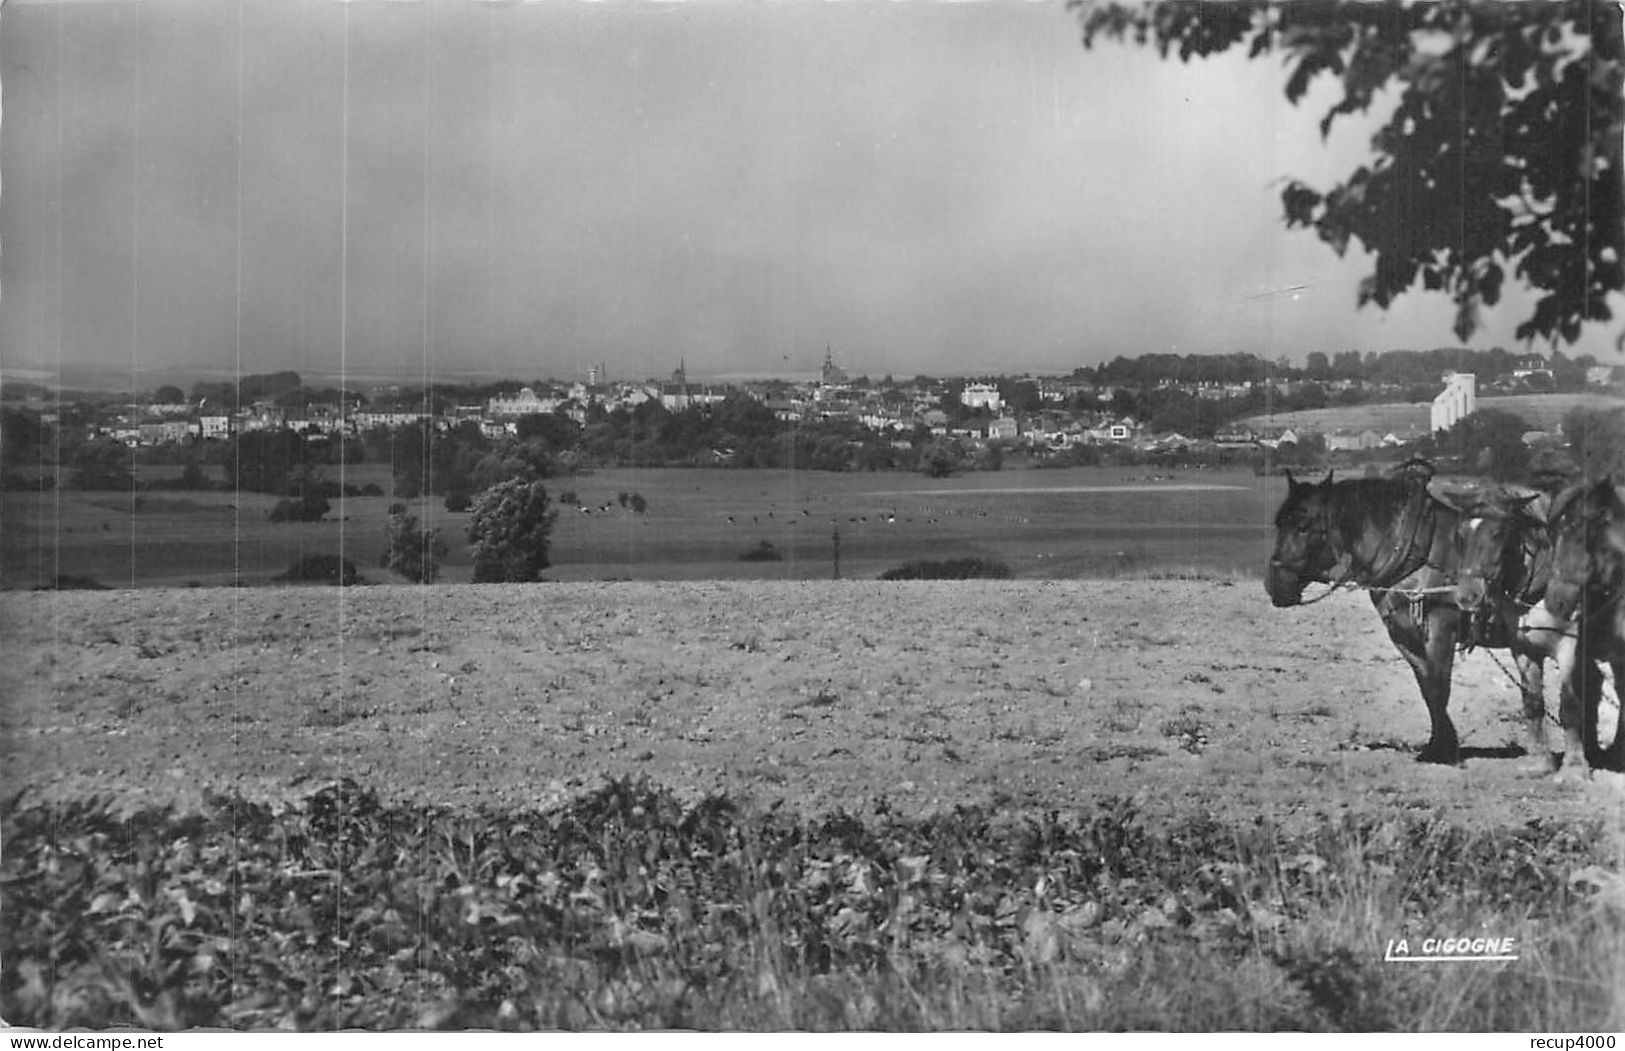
pixel 1410 551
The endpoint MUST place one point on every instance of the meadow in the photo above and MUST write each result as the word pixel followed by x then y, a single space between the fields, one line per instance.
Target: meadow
pixel 1043 524
pixel 1540 411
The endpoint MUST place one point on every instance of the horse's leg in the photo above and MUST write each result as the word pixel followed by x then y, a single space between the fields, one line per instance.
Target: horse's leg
pixel 1430 649
pixel 1530 650
pixel 1613 757
pixel 1532 686
pixel 1579 681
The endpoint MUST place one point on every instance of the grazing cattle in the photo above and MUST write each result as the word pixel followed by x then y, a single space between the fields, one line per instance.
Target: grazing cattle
pixel 1393 538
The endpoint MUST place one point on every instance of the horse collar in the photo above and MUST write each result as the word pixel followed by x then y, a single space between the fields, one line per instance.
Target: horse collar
pixel 1410 551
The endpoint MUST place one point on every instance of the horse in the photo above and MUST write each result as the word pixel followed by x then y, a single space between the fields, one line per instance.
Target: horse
pixel 1588 587
pixel 1505 568
pixel 1394 538
pixel 1588 575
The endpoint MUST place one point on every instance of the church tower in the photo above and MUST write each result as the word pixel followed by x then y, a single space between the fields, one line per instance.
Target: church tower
pixel 833 375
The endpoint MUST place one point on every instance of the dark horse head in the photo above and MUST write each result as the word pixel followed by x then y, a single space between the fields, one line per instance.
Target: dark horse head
pixel 1304 548
pixel 1373 532
pixel 1587 570
pixel 1505 552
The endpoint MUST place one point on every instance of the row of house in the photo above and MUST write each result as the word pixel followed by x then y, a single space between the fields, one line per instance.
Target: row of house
pixel 896 410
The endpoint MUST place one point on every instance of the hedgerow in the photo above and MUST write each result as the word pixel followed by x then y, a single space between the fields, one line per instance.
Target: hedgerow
pixel 949 569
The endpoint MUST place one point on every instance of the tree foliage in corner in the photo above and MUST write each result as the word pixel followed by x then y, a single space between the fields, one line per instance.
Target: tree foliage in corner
pixel 510 531
pixel 1502 158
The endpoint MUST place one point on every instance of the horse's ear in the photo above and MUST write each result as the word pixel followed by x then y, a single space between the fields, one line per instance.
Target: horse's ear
pixel 1291 482
pixel 1328 479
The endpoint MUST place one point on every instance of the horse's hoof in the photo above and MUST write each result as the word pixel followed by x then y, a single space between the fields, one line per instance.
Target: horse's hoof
pixel 1572 774
pixel 1441 756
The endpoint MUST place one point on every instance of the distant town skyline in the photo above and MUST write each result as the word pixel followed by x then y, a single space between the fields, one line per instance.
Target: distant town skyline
pixel 451 188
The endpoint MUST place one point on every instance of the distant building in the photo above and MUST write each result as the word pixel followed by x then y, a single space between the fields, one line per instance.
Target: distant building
pixel 1344 440
pixel 1458 399
pixel 1002 429
pixel 832 375
pixel 525 403
pixel 1531 367
pixel 676 395
pixel 981 396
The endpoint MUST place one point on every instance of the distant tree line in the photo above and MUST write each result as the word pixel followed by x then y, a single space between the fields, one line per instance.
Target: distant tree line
pixel 1391 368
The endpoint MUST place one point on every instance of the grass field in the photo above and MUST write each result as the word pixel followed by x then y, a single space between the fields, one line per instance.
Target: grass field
pixel 1540 411
pixel 1044 524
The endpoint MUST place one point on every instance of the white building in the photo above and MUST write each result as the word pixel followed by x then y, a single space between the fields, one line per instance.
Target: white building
pixel 981 396
pixel 525 403
pixel 1459 398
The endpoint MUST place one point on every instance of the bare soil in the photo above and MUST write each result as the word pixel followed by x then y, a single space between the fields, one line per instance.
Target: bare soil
pixel 1190 696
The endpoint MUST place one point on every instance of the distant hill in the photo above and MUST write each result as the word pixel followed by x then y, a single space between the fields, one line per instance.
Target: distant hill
pixel 1541 411
pixel 100 379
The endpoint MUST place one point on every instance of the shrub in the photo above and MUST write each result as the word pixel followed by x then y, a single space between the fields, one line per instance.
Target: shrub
pixel 322 569
pixel 457 500
pixel 951 569
pixel 510 532
pixel 412 551
pixel 764 551
pixel 372 489
pixel 303 509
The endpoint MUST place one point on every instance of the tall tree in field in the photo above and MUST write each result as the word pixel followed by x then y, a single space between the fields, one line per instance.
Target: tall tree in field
pixel 412 551
pixel 510 532
pixel 1502 158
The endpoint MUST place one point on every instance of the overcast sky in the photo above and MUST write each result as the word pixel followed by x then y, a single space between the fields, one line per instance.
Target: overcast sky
pixel 385 187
